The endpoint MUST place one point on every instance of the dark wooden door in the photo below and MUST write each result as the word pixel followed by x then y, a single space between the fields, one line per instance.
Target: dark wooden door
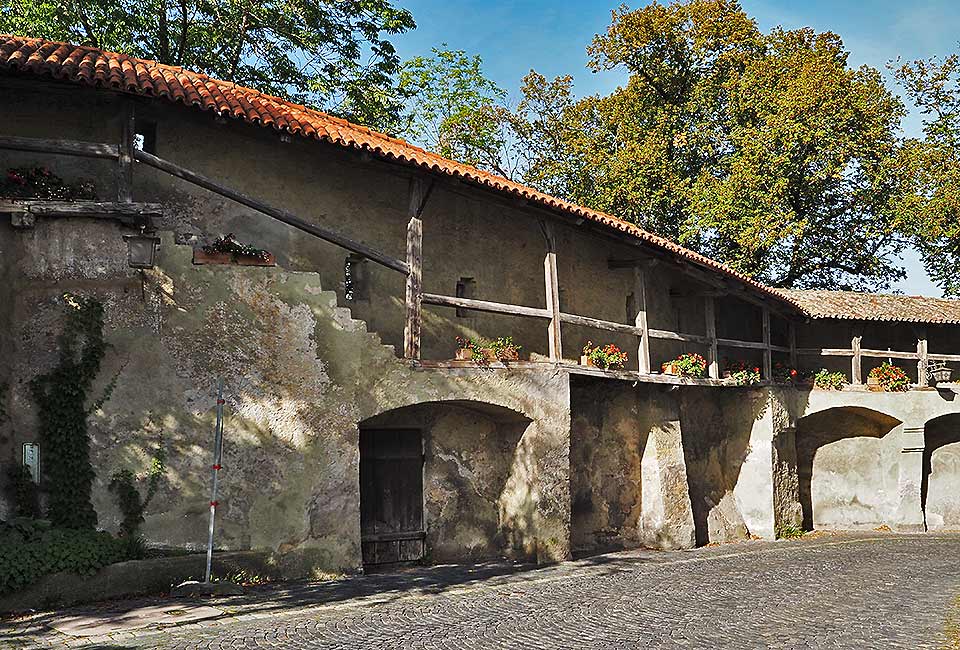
pixel 391 496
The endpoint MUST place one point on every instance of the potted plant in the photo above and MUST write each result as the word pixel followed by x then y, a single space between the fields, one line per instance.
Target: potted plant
pixel 783 374
pixel 826 380
pixel 689 364
pixel 605 357
pixel 41 183
pixel 484 351
pixel 740 373
pixel 227 250
pixel 888 377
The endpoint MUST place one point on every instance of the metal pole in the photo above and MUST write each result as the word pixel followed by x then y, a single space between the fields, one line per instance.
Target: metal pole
pixel 217 457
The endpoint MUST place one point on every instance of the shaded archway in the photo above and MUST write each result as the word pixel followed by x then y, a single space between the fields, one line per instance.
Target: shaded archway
pixel 940 483
pixel 847 465
pixel 477 486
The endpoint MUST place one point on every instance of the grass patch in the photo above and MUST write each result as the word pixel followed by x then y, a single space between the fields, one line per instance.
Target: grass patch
pixel 789 531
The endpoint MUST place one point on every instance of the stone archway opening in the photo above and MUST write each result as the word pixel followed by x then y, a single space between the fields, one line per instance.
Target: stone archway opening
pixel 940 478
pixel 847 466
pixel 445 481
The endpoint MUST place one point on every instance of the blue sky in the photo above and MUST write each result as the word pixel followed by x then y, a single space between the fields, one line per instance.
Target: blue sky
pixel 551 37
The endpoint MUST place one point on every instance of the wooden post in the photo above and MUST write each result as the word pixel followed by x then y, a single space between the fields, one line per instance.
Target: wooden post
pixel 643 346
pixel 414 293
pixel 922 360
pixel 767 352
pixel 792 336
pixel 711 322
pixel 856 370
pixel 125 160
pixel 551 284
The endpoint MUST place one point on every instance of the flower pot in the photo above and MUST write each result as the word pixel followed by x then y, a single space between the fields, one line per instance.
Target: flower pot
pixel 487 354
pixel 873 383
pixel 202 257
pixel 587 361
pixel 509 354
pixel 941 375
pixel 464 354
pixel 671 369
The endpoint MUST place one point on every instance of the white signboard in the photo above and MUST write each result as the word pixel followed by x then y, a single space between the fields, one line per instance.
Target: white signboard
pixel 31 459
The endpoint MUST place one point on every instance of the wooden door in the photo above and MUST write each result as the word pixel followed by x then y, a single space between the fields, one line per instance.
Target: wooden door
pixel 391 496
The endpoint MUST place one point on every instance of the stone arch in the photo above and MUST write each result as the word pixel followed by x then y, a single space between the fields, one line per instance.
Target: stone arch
pixel 847 466
pixel 480 481
pixel 940 476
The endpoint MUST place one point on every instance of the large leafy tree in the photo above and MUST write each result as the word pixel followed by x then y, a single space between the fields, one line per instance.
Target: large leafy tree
pixel 453 109
pixel 331 54
pixel 931 214
pixel 767 151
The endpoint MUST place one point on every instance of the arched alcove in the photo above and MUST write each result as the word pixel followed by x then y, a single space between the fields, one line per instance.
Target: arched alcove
pixel 940 486
pixel 446 481
pixel 847 465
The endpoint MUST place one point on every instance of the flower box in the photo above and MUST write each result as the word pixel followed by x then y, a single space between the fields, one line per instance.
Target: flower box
pixel 941 375
pixel 873 383
pixel 586 360
pixel 671 369
pixel 464 354
pixel 507 354
pixel 202 257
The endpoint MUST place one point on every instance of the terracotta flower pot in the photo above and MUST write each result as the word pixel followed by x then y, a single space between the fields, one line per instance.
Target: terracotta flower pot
pixel 510 354
pixel 464 354
pixel 671 369
pixel 873 383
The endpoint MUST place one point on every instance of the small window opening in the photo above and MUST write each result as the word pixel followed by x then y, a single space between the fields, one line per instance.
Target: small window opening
pixel 466 288
pixel 355 280
pixel 145 136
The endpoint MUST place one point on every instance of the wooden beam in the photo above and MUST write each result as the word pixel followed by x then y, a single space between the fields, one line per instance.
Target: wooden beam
pixel 414 286
pixel 486 305
pixel 710 317
pixel 943 357
pixel 677 336
pixel 824 352
pixel 125 158
pixel 891 354
pixel 923 359
pixel 596 323
pixel 767 353
pixel 551 283
pixel 751 345
pixel 277 213
pixel 643 331
pixel 856 365
pixel 61 147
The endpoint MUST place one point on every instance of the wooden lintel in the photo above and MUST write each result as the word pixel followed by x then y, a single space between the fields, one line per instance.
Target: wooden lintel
pixel 61 147
pixel 485 305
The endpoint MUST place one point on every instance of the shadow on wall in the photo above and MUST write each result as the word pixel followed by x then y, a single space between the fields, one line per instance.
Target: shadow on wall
pixel 940 484
pixel 478 489
pixel 848 466
pixel 716 426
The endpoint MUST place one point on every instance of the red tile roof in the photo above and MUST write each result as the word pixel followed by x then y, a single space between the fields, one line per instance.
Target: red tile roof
pixel 852 305
pixel 94 67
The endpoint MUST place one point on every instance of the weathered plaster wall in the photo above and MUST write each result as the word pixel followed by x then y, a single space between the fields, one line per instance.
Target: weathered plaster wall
pixel 300 375
pixel 941 474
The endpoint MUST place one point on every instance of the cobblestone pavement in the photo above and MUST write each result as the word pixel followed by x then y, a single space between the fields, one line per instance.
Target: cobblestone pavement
pixel 836 591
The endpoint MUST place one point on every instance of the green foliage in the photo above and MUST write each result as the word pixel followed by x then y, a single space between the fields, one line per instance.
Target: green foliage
pixel 454 110
pixel 230 244
pixel 742 374
pixel 41 183
pixel 123 484
pixel 826 380
pixel 484 350
pixel 789 531
pixel 61 396
pixel 22 492
pixel 605 356
pixel 892 378
pixel 764 150
pixel 690 364
pixel 30 550
pixel 784 374
pixel 931 213
pixel 327 53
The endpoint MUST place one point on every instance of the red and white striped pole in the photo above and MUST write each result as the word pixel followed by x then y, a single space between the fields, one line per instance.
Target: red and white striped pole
pixel 216 467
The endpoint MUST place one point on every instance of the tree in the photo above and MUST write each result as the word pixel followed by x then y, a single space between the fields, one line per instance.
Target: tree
pixel 454 110
pixel 931 214
pixel 327 53
pixel 766 151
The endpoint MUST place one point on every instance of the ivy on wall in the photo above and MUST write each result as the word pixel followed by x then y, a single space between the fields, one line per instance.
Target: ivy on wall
pixel 61 396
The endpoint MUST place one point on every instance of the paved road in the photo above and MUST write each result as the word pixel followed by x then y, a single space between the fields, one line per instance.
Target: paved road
pixel 840 591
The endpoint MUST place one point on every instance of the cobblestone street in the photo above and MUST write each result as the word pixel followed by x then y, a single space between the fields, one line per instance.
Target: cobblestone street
pixel 836 591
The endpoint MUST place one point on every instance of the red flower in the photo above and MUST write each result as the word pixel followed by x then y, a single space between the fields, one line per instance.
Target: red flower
pixel 756 369
pixel 793 373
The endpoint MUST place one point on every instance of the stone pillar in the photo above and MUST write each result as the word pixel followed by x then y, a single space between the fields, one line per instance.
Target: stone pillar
pixel 666 515
pixel 909 515
pixel 787 511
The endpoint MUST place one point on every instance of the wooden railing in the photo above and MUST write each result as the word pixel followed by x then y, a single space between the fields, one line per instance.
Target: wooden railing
pixel 125 153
